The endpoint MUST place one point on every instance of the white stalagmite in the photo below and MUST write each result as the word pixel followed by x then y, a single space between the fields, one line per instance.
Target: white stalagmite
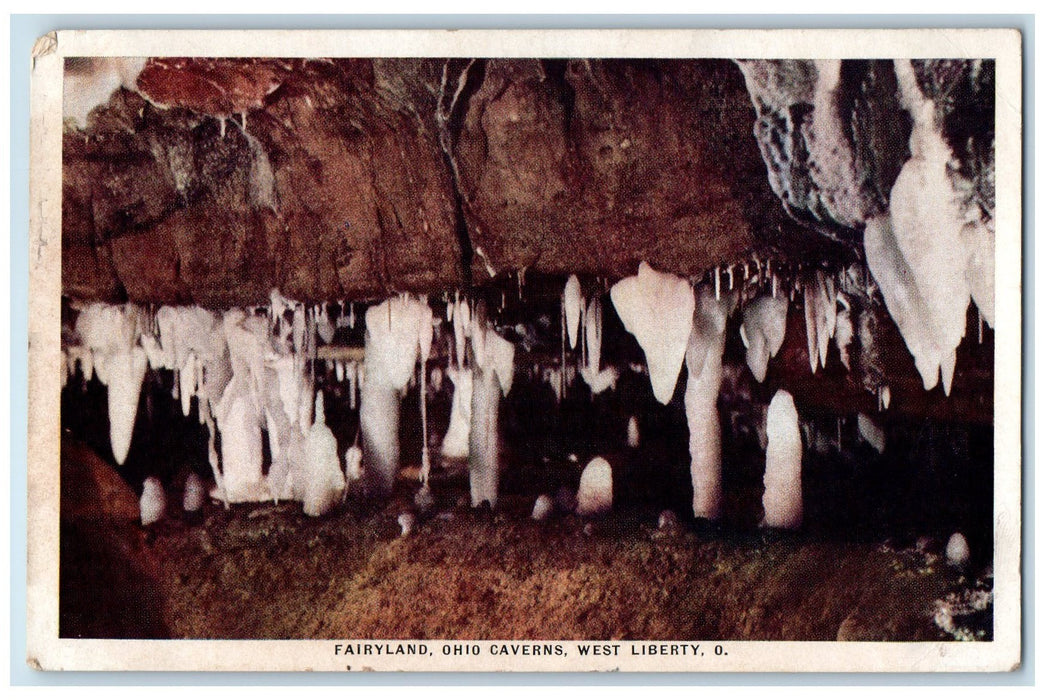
pixel 391 351
pixel 326 482
pixel 572 304
pixel 455 443
pixel 595 492
pixel 153 501
pixel 870 431
pixel 782 500
pixel 957 550
pixel 492 376
pixel 765 322
pixel 657 308
pixel 194 494
pixel 704 365
pixel 241 449
pixel 543 507
pixel 633 432
pixel 923 257
pixel 353 464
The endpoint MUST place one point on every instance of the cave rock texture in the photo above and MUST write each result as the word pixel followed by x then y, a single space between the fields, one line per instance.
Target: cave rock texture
pixel 215 180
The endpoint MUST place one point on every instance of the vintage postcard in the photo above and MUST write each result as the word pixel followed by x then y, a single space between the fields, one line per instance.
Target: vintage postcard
pixel 525 351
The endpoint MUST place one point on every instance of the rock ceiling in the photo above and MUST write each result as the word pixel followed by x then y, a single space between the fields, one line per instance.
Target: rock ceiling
pixel 214 180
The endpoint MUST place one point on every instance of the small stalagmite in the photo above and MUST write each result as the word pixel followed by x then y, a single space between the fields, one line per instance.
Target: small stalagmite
pixel 543 507
pixel 595 492
pixel 782 500
pixel 194 494
pixel 957 551
pixel 153 501
pixel 633 432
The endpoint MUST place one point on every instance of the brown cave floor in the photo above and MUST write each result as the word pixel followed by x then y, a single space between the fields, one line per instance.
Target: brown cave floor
pixel 267 571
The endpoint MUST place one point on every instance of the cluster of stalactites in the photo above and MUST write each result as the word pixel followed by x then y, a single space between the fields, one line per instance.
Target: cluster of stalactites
pixel 248 375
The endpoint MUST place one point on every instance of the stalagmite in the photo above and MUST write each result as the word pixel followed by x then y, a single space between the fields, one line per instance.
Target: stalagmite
pixel 633 432
pixel 543 507
pixel 782 500
pixel 153 501
pixel 572 304
pixel 406 521
pixel 872 434
pixel 325 481
pixel 595 492
pixel 241 449
pixel 353 464
pixel 194 494
pixel 492 377
pixel 704 364
pixel 657 308
pixel 957 550
pixel 765 322
pixel 391 350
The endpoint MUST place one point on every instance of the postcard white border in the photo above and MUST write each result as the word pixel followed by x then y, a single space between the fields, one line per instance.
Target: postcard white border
pixel 46 650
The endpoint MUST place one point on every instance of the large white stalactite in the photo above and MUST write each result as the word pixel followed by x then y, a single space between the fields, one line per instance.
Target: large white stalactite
pixel 110 335
pixel 704 364
pixel 657 308
pixel 929 256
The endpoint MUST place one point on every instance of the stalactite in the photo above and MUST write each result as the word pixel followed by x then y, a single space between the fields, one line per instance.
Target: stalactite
pixel 657 308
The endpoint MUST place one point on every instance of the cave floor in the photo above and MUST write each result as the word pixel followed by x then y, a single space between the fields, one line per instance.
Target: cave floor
pixel 267 571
